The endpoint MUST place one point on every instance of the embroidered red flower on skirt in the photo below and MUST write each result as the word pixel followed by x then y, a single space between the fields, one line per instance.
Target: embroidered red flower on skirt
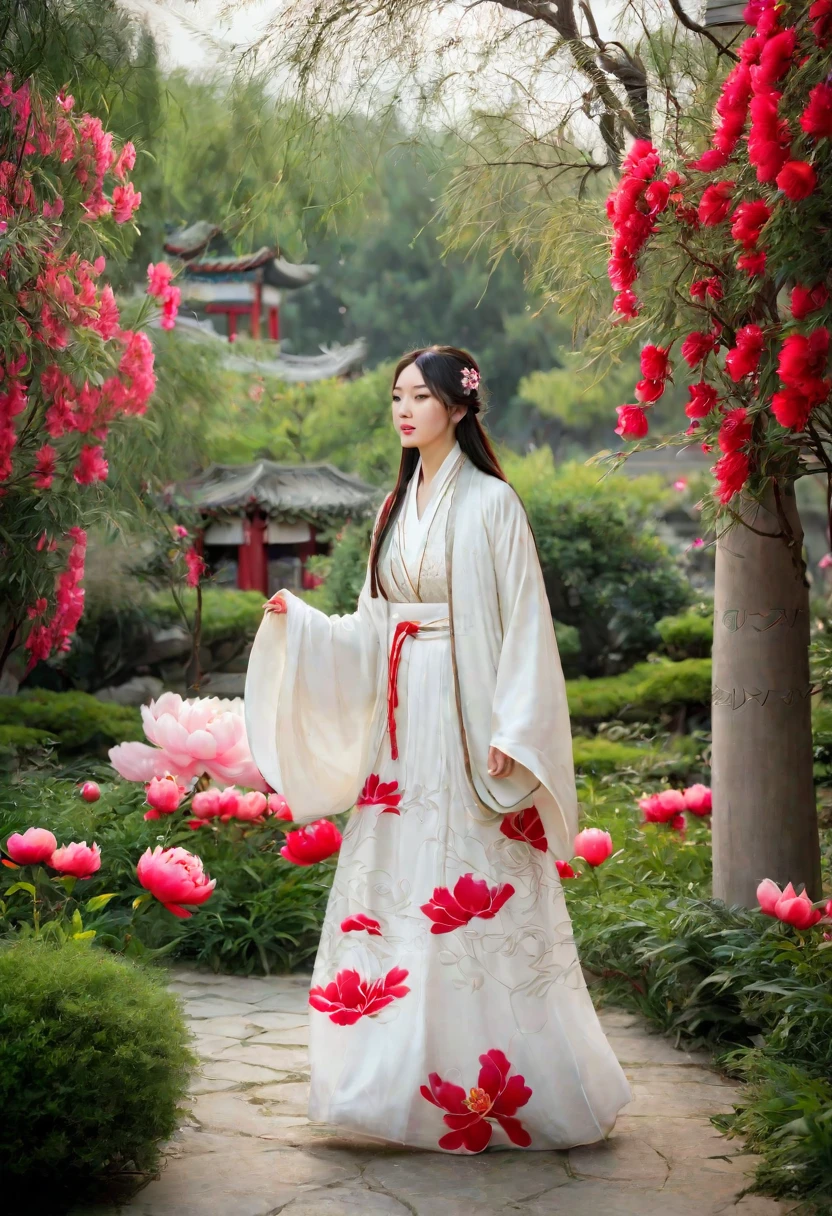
pixel 472 897
pixel 384 794
pixel 525 825
pixel 359 922
pixel 348 997
pixel 495 1098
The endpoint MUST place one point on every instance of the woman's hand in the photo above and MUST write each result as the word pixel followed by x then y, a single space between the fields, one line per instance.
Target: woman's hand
pixel 499 764
pixel 276 604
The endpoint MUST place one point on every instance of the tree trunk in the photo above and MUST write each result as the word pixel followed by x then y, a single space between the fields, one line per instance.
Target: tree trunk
pixel 764 817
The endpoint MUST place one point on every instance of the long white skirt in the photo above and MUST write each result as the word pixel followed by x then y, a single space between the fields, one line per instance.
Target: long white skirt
pixel 449 1010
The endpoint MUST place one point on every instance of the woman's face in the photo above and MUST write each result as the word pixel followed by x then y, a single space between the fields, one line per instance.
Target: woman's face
pixel 420 418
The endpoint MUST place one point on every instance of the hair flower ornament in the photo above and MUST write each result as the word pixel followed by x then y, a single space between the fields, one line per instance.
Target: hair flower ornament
pixel 470 379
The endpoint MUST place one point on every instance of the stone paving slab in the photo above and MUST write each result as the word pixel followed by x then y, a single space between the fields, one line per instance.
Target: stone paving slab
pixel 246 1148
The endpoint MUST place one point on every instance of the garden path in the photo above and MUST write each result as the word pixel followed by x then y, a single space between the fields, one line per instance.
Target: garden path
pixel 246 1148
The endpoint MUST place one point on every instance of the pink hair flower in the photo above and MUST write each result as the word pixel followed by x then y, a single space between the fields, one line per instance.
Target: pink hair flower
pixel 470 379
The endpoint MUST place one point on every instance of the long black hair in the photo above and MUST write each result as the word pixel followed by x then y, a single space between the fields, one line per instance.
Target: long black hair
pixel 441 367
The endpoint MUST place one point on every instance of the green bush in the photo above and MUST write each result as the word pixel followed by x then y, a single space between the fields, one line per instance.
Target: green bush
pixel 599 757
pixel 689 636
pixel 675 685
pixel 644 692
pixel 607 697
pixel 226 612
pixel 94 1060
pixel 75 720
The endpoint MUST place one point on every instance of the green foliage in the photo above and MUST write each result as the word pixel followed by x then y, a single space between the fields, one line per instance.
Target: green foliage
pixel 607 697
pixel 689 636
pixel 674 685
pixel 75 720
pixel 265 914
pixel 604 757
pixel 226 612
pixel 642 693
pixel 94 1060
pixel 732 980
pixel 607 574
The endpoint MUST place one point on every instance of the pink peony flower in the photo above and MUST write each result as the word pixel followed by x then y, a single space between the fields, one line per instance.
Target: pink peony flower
pixel 279 807
pixel 82 859
pixel 698 799
pixel 164 795
pixel 204 735
pixel 594 845
pixel 125 162
pixel 91 465
pixel 159 278
pixel 36 845
pixel 768 894
pixel 251 807
pixel 126 201
pixel 174 877
pixel 313 843
pixel 796 910
pixel 90 791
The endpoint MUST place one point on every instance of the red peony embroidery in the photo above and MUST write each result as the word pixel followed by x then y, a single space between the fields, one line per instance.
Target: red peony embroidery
pixel 496 1097
pixel 525 825
pixel 472 897
pixel 383 794
pixel 359 922
pixel 348 998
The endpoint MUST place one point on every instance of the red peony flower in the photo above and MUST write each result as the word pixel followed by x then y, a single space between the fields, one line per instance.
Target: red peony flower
pixel 715 203
pixel 791 408
pixel 735 430
pixel 806 300
pixel 632 422
pixel 348 997
pixel 654 362
pixel 816 119
pixel 594 845
pixel 747 222
pixel 313 843
pixel 496 1097
pixel 703 398
pixel 797 179
pixel 743 359
pixel 752 263
pixel 796 910
pixel 649 391
pixel 626 304
pixel 731 472
pixel 361 923
pixel 383 794
pixel 698 800
pixel 820 15
pixel 697 346
pixel 525 825
pixel 710 287
pixel 471 897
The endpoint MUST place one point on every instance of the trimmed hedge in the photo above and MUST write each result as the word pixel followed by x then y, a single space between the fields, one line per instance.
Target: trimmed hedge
pixel 94 1060
pixel 75 720
pixel 642 692
pixel 689 636
pixel 600 757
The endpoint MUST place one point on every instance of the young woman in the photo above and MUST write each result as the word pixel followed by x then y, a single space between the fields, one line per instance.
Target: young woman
pixel 448 1006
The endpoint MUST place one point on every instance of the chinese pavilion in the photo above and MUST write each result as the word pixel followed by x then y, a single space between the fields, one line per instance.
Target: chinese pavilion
pixel 261 521
pixel 235 286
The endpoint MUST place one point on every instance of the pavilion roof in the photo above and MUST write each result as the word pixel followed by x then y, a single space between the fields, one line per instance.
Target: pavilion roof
pixel 206 253
pixel 313 492
pixel 723 12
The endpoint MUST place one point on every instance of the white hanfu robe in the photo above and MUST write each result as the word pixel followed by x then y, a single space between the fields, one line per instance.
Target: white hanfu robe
pixel 449 1009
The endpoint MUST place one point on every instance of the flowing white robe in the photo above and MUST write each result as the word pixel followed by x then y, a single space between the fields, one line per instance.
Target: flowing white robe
pixel 463 945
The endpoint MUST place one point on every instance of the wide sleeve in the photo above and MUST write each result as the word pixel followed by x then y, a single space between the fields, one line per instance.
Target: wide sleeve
pixel 530 713
pixel 313 691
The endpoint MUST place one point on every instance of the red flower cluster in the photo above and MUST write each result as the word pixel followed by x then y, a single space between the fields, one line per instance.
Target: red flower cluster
pixel 632 209
pixel 46 637
pixel 744 358
pixel 471 897
pixel 669 806
pixel 160 286
pixel 801 366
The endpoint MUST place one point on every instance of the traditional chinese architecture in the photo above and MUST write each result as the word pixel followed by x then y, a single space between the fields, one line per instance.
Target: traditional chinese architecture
pixel 261 522
pixel 235 286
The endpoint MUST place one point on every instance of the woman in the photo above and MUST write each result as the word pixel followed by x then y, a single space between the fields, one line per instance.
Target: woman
pixel 448 1005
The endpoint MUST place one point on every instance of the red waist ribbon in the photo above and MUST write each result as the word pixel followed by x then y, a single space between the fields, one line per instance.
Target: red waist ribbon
pixel 404 629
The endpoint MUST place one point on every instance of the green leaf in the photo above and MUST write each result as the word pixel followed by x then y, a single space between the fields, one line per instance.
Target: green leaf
pixel 68 882
pixel 77 923
pixel 87 936
pixel 141 899
pixel 99 901
pixel 20 886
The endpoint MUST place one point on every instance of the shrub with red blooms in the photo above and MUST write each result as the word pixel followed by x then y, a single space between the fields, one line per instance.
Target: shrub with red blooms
pixel 728 277
pixel 69 370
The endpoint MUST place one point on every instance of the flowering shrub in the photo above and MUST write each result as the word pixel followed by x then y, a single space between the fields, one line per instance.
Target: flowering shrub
pixel 740 234
pixel 68 368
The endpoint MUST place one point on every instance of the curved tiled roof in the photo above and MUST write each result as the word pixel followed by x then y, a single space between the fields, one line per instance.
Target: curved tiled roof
pixel 287 491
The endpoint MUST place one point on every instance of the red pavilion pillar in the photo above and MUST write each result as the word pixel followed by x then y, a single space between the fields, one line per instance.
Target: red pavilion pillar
pixel 274 326
pixel 253 558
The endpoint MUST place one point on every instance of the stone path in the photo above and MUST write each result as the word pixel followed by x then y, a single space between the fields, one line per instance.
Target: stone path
pixel 246 1148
